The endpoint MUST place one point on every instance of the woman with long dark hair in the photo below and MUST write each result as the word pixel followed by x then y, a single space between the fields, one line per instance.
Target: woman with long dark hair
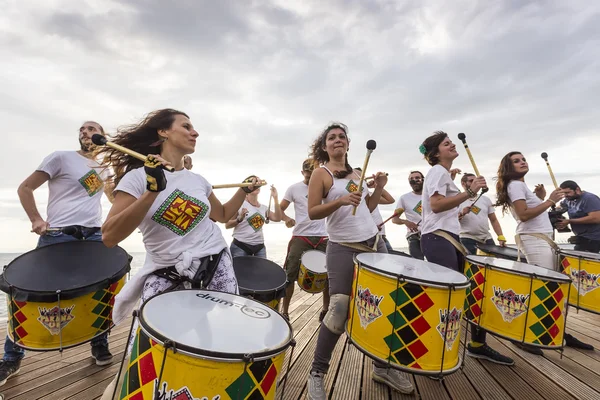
pixel 332 193
pixel 440 228
pixel 534 236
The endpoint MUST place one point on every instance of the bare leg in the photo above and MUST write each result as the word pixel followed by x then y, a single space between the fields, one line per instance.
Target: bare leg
pixel 285 304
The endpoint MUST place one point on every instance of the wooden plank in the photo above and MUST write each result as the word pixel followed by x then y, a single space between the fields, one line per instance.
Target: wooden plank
pixel 296 379
pixel 458 386
pixel 430 389
pixel 349 373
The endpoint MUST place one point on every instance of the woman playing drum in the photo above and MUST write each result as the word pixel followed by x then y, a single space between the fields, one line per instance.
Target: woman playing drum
pixel 529 209
pixel 440 228
pixel 332 193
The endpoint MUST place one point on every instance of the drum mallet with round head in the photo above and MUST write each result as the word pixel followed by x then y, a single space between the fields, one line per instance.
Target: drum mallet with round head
pixel 463 139
pixel 371 145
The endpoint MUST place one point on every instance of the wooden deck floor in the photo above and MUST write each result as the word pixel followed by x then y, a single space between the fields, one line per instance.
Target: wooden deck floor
pixel 73 374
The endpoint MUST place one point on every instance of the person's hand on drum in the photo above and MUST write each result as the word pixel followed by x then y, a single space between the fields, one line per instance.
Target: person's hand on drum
pixel 351 199
pixel 540 191
pixel 155 174
pixel 290 223
pixel 556 196
pixel 477 184
pixel 380 179
pixel 39 226
pixel 502 243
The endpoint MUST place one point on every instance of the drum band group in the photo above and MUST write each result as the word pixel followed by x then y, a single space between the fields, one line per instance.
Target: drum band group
pixel 208 322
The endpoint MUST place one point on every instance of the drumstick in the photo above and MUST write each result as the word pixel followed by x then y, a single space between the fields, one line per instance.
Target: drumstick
pixel 368 178
pixel 269 209
pixel 397 213
pixel 545 157
pixel 100 140
pixel 371 145
pixel 463 139
pixel 238 185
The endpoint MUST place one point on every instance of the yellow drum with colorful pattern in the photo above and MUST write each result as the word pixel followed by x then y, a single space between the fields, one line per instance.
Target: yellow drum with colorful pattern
pixel 62 295
pixel 312 277
pixel 260 279
pixel 584 270
pixel 200 344
pixel 517 301
pixel 408 312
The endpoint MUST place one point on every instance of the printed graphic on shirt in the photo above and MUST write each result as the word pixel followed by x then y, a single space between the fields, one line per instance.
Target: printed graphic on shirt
pixel 475 210
pixel 256 221
pixel 180 212
pixel 91 182
pixel 351 186
pixel 418 208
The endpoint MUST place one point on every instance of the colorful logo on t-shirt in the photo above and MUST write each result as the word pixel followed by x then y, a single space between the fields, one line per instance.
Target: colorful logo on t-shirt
pixel 351 186
pixel 418 208
pixel 180 212
pixel 91 182
pixel 256 221
pixel 475 210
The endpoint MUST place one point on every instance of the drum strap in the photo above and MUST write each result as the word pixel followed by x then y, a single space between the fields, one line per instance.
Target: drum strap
pixel 250 249
pixel 537 235
pixel 307 240
pixel 202 278
pixel 362 247
pixel 454 242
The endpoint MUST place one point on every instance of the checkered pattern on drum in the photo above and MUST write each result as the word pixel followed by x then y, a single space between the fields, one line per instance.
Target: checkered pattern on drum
pixel 409 325
pixel 16 319
pixel 308 280
pixel 141 371
pixel 255 383
pixel 106 301
pixel 548 311
pixel 476 275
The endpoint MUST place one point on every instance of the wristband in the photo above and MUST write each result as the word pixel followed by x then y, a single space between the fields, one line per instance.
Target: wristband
pixel 552 201
pixel 471 193
pixel 501 238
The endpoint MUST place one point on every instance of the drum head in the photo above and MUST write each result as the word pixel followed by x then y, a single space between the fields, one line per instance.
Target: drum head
pixel 412 269
pixel 503 252
pixel 75 268
pixel 215 324
pixel 519 268
pixel 315 261
pixel 258 274
pixel 580 254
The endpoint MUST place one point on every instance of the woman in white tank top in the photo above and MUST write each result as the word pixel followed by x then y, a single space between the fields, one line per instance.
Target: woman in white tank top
pixel 332 194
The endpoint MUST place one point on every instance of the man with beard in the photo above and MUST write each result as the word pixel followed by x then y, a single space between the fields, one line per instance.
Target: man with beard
pixel 584 216
pixel 75 183
pixel 411 204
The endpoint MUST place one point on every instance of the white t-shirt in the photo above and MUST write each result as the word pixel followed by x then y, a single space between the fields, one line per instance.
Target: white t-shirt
pixel 298 194
pixel 412 205
pixel 438 180
pixel 342 226
pixel 518 190
pixel 250 229
pixel 178 220
pixel 75 189
pixel 475 224
pixel 378 219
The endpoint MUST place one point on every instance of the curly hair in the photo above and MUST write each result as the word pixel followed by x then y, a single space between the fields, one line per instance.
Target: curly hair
pixel 142 137
pixel 431 145
pixel 506 173
pixel 321 156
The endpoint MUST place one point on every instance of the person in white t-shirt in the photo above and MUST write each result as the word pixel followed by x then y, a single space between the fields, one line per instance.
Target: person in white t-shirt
pixel 440 228
pixel 76 183
pixel 386 198
pixel 411 204
pixel 333 192
pixel 474 216
pixel 534 230
pixel 307 235
pixel 248 223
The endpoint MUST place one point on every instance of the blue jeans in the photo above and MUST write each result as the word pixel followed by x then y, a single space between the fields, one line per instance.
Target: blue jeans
pixel 471 244
pixel 13 352
pixel 238 252
pixel 414 247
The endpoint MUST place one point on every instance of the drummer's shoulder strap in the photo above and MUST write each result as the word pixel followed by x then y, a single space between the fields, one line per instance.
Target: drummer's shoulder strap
pixel 537 235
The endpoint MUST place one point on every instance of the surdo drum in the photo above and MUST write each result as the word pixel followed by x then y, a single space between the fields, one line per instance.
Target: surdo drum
pixel 312 277
pixel 260 279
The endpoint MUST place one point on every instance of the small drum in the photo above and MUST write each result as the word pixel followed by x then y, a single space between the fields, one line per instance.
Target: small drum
pixel 62 295
pixel 260 279
pixel 491 250
pixel 408 312
pixel 312 277
pixel 200 344
pixel 584 270
pixel 517 301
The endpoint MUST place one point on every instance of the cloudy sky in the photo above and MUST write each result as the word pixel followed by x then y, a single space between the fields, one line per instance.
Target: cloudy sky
pixel 260 79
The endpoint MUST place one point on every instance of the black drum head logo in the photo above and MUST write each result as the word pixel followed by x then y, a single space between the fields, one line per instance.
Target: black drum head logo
pixel 162 393
pixel 583 281
pixel 367 306
pixel 510 305
pixel 449 326
pixel 252 312
pixel 55 319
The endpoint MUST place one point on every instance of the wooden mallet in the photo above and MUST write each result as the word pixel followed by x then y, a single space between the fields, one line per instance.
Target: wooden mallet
pixel 371 145
pixel 100 140
pixel 463 139
pixel 545 157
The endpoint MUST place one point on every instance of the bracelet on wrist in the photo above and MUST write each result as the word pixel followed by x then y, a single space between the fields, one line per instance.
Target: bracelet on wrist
pixel 471 193
pixel 552 201
pixel 501 238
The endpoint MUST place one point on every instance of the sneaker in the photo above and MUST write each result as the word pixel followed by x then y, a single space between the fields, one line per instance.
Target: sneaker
pixel 8 369
pixel 485 352
pixel 572 341
pixel 392 378
pixel 322 315
pixel 529 348
pixel 286 316
pixel 315 389
pixel 102 355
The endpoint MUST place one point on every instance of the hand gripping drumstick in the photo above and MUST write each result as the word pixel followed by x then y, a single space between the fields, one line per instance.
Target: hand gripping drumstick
pixel 397 212
pixel 463 139
pixel 100 140
pixel 369 178
pixel 238 185
pixel 371 145
pixel 545 157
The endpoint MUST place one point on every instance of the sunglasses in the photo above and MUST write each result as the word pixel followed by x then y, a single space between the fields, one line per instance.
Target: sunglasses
pixel 418 180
